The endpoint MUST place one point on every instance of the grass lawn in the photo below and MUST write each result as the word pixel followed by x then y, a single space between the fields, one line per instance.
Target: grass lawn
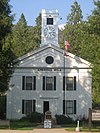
pixel 83 129
pixel 22 125
pixel 19 125
pixel 26 125
pixel 95 128
pixel 72 127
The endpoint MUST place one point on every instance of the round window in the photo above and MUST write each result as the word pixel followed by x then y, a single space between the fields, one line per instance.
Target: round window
pixel 49 59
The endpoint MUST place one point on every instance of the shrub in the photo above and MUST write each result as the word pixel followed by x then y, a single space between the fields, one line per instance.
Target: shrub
pixel 62 119
pixel 2 107
pixel 25 118
pixel 36 117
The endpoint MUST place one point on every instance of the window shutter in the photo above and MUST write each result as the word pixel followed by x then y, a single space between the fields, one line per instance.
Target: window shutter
pixel 23 103
pixel 34 101
pixel 63 106
pixel 34 82
pixel 43 82
pixel 74 82
pixel 63 82
pixel 54 82
pixel 74 106
pixel 23 83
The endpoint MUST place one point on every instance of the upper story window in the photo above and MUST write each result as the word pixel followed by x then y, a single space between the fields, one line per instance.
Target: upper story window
pixel 69 83
pixel 29 83
pixel 49 21
pixel 49 83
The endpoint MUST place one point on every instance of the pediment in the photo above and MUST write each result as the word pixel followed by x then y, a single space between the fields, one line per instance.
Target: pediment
pixel 38 58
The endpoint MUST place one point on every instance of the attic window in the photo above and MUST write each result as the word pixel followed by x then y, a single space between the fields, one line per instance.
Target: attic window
pixel 49 59
pixel 49 21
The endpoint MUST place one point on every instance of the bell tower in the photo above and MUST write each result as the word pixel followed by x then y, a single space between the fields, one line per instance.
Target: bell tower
pixel 49 34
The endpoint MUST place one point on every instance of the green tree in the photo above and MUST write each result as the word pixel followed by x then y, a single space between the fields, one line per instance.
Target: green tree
pixel 6 54
pixel 35 34
pixel 37 30
pixel 5 20
pixel 76 14
pixel 94 20
pixel 96 11
pixel 26 38
pixel 84 39
pixel 94 31
pixel 74 32
pixel 19 37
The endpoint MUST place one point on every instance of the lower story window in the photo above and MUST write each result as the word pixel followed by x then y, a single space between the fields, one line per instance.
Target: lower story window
pixel 69 107
pixel 28 106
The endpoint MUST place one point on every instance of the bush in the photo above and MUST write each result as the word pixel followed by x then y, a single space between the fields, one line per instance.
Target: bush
pixel 2 107
pixel 62 119
pixel 36 117
pixel 25 118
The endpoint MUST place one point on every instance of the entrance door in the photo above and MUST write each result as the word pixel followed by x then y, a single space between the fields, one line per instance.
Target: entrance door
pixel 45 106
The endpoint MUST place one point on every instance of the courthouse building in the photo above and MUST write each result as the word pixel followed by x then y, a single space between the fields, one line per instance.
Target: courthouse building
pixel 45 79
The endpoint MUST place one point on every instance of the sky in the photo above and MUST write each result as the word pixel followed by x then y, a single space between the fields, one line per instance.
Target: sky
pixel 32 8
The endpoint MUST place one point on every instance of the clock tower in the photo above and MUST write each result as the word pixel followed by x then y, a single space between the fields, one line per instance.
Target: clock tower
pixel 49 33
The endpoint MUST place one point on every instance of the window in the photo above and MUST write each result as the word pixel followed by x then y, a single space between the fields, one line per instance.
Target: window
pixel 29 83
pixel 69 107
pixel 49 83
pixel 49 59
pixel 28 106
pixel 69 83
pixel 49 21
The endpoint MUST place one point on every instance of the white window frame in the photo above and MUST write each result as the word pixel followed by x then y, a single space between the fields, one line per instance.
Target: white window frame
pixel 32 83
pixel 70 107
pixel 47 79
pixel 26 83
pixel 67 83
pixel 24 109
pixel 53 83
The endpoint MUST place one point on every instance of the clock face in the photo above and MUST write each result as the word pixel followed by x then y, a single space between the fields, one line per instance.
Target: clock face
pixel 49 32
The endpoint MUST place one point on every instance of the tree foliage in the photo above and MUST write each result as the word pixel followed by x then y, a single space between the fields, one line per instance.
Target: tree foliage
pixel 6 54
pixel 5 20
pixel 20 37
pixel 37 29
pixel 94 31
pixel 96 11
pixel 84 38
pixel 25 38
pixel 76 14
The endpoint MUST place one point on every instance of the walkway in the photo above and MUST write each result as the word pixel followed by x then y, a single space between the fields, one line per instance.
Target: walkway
pixel 58 130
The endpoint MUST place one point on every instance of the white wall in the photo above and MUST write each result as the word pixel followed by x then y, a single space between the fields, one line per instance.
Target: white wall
pixel 82 93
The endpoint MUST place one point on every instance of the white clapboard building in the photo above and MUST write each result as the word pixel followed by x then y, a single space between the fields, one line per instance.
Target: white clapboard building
pixel 45 79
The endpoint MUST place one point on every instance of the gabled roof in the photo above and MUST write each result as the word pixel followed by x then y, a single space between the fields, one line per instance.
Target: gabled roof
pixel 55 48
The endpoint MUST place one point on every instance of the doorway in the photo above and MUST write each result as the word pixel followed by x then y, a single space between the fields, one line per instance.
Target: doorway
pixel 45 106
